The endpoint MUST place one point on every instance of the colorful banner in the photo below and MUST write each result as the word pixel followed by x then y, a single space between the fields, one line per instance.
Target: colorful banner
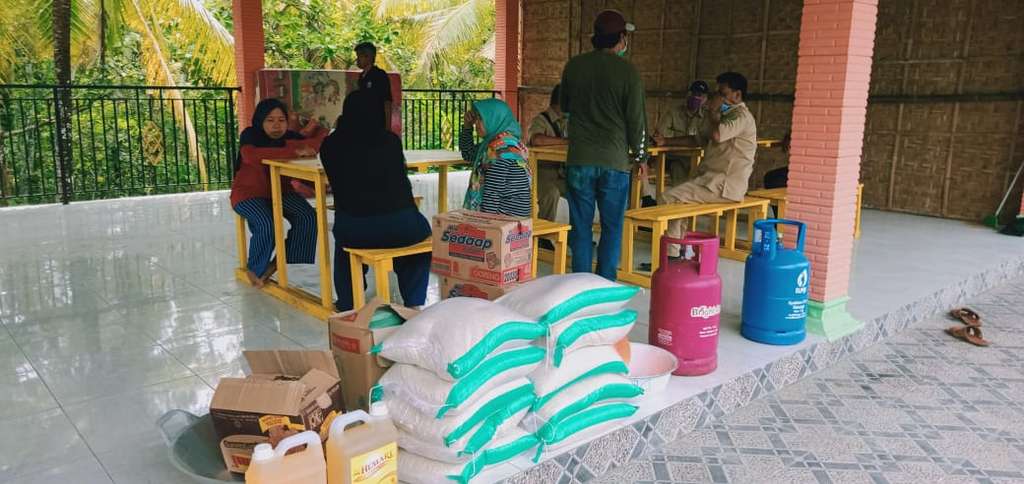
pixel 320 94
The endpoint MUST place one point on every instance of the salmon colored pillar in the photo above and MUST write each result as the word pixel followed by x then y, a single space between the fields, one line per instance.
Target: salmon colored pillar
pixel 506 52
pixel 248 33
pixel 833 73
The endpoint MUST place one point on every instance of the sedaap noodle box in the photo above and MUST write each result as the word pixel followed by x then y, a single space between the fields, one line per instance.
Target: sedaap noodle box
pixel 482 247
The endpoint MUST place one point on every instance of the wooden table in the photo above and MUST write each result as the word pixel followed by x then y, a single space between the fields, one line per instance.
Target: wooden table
pixel 421 160
pixel 559 154
pixel 312 170
pixel 309 170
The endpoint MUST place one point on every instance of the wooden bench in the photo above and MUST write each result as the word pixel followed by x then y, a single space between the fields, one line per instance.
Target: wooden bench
pixel 382 260
pixel 657 219
pixel 558 234
pixel 777 197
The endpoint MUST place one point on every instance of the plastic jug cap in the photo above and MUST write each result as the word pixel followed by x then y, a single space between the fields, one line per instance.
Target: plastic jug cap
pixel 378 409
pixel 262 452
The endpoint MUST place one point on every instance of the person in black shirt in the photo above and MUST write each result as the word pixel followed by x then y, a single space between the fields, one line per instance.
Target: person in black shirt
pixel 374 78
pixel 373 196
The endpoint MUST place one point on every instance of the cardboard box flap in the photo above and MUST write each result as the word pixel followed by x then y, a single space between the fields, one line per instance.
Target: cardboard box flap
pixel 368 314
pixel 259 396
pixel 291 363
pixel 316 383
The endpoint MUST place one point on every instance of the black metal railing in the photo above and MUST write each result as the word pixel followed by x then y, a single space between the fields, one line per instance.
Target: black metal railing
pixel 141 140
pixel 124 141
pixel 431 118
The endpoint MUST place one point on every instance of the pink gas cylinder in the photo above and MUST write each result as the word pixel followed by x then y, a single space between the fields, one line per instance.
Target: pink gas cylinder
pixel 686 300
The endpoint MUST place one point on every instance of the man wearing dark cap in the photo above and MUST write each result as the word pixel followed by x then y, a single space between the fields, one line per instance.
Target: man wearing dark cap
pixel 604 98
pixel 684 125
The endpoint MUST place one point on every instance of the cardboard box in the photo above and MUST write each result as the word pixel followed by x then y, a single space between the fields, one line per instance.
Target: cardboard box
pixel 454 287
pixel 353 334
pixel 480 247
pixel 292 390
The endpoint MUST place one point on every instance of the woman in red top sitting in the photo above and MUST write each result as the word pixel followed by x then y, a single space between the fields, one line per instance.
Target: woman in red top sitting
pixel 270 138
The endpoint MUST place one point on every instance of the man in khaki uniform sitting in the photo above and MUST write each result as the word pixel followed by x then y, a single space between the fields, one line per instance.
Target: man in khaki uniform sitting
pixel 728 157
pixel 549 128
pixel 684 125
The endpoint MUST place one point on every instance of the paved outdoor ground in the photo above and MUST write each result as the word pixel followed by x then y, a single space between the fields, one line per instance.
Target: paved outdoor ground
pixel 921 407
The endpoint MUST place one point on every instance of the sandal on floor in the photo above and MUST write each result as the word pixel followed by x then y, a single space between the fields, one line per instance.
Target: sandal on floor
pixel 970 334
pixel 967 316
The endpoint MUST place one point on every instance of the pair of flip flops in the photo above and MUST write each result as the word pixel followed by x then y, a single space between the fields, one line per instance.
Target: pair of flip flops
pixel 971 330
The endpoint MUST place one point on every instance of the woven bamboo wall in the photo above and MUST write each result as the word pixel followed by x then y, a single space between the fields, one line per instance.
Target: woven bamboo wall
pixel 933 156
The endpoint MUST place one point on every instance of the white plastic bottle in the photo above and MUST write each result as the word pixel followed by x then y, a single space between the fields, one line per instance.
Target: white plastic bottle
pixel 273 466
pixel 363 448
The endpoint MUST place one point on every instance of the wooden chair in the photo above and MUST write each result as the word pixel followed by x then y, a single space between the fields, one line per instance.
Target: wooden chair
pixel 777 197
pixel 558 234
pixel 657 219
pixel 382 261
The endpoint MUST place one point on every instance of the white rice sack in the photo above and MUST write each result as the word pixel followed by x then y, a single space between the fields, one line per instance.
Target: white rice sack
pixel 571 335
pixel 434 396
pixel 492 415
pixel 452 337
pixel 549 381
pixel 564 433
pixel 601 389
pixel 551 299
pixel 416 469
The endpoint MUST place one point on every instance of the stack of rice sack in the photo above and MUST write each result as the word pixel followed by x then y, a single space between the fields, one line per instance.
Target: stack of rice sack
pixel 459 389
pixel 582 385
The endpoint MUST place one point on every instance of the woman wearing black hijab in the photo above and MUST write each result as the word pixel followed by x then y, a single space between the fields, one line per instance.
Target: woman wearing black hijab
pixel 373 197
pixel 269 137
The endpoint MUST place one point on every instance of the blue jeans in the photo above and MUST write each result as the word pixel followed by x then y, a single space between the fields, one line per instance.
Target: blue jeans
pixel 608 191
pixel 392 230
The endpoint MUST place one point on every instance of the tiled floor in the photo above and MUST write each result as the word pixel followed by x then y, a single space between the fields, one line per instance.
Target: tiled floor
pixel 114 312
pixel 920 407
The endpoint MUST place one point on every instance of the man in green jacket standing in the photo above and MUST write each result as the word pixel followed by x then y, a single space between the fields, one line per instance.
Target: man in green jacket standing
pixel 604 98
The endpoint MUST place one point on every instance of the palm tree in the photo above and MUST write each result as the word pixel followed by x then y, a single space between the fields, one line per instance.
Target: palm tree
pixel 97 25
pixel 62 106
pixel 445 25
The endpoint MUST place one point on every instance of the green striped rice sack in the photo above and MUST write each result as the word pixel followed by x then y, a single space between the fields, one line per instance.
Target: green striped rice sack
pixel 456 438
pixel 551 299
pixel 454 337
pixel 432 395
pixel 416 469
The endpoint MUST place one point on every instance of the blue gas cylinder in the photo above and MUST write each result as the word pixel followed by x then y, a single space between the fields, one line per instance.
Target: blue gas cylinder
pixel 775 286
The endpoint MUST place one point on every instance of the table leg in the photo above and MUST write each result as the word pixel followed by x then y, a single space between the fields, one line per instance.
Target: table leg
pixel 730 229
pixel 658 230
pixel 243 244
pixel 626 253
pixel 356 270
pixel 536 255
pixel 326 289
pixel 278 219
pixel 659 187
pixel 442 189
pixel 695 162
pixel 856 216
pixel 534 209
pixel 635 189
pixel 561 252
pixel 381 270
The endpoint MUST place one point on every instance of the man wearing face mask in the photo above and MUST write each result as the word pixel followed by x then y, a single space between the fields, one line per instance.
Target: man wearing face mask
pixel 683 125
pixel 728 157
pixel 603 97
